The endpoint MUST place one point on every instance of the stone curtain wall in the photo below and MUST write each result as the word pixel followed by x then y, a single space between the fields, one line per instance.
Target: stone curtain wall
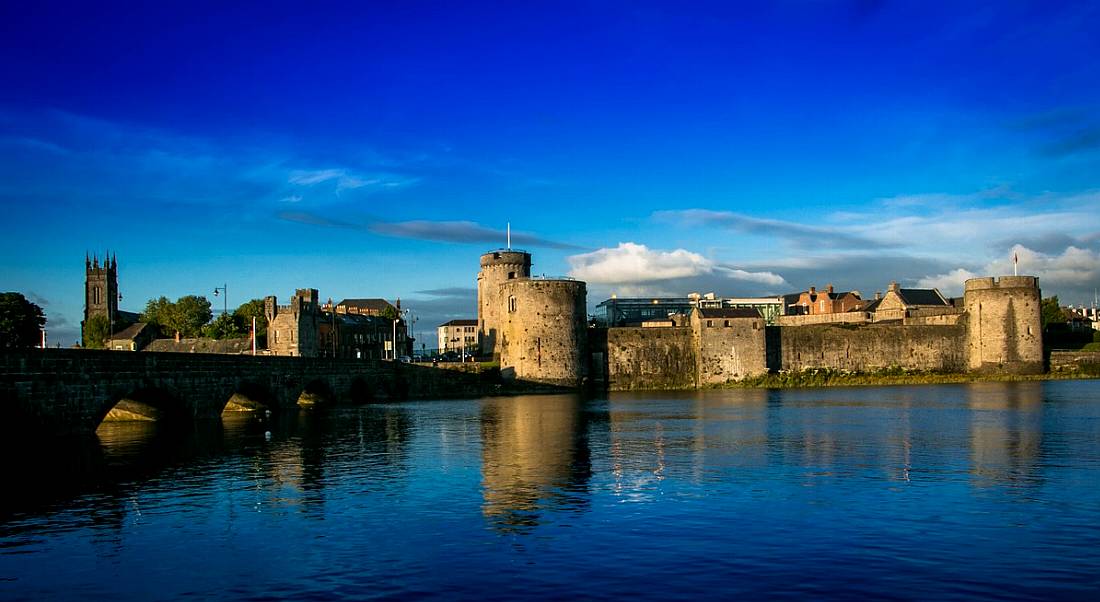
pixel 729 349
pixel 869 347
pixel 1061 361
pixel 650 358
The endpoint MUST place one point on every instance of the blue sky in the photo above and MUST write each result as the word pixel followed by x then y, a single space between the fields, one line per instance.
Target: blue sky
pixel 375 149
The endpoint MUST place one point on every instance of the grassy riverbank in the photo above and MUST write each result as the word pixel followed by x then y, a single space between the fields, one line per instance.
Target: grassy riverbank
pixel 896 376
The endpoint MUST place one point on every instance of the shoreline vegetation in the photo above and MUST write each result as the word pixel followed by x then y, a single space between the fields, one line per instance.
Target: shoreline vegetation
pixel 896 376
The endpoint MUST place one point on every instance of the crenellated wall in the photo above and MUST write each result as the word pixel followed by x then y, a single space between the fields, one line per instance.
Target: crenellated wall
pixel 997 331
pixel 728 349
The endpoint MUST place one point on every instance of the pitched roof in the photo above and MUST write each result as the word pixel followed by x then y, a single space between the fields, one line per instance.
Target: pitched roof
pixel 729 312
pixel 921 296
pixel 460 323
pixel 129 333
pixel 368 304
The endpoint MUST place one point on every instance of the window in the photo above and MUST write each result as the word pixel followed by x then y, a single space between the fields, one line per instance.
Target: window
pixel 727 324
pixel 511 275
pixel 511 303
pixel 710 323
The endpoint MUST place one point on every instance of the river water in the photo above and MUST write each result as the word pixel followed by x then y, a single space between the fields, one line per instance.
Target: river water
pixel 981 491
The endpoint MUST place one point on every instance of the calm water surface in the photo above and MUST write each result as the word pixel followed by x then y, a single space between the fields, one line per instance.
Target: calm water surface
pixel 939 492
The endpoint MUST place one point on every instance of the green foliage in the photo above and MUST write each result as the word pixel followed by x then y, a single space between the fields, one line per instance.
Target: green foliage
pixel 190 315
pixel 21 322
pixel 187 315
pixel 249 310
pixel 225 326
pixel 894 375
pixel 157 312
pixel 1091 347
pixel 96 332
pixel 1053 316
pixel 389 312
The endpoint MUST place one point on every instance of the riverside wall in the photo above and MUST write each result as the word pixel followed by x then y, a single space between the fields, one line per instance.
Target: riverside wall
pixel 650 358
pixel 868 347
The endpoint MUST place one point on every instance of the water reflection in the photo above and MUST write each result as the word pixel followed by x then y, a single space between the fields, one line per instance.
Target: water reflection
pixel 535 458
pixel 937 492
pixel 1006 433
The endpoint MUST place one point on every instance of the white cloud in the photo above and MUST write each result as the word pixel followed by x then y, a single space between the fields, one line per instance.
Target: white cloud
pixel 294 198
pixel 950 284
pixel 632 263
pixel 346 179
pixel 767 278
pixel 311 177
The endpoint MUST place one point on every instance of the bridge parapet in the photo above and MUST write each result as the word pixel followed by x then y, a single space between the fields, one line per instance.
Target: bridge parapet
pixel 60 391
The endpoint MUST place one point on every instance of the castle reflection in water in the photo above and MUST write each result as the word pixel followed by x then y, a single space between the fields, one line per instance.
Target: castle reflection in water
pixel 540 455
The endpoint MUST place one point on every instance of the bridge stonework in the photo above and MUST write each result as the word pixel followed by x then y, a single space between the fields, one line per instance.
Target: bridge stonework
pixel 67 391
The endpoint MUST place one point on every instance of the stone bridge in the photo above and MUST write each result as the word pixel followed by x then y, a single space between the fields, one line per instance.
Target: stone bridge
pixel 67 391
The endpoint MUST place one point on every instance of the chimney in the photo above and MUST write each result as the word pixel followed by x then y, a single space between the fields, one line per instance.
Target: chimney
pixel 878 295
pixel 812 290
pixel 894 286
pixel 829 289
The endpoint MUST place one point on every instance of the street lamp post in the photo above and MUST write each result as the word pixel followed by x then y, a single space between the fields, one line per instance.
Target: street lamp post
pixel 225 297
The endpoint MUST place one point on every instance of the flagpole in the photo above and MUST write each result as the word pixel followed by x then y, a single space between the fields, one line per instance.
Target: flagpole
pixel 1015 264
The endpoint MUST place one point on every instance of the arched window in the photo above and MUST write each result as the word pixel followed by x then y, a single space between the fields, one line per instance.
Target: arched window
pixel 512 303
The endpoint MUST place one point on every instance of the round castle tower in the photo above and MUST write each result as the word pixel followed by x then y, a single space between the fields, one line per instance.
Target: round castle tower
pixel 543 330
pixel 497 267
pixel 1004 324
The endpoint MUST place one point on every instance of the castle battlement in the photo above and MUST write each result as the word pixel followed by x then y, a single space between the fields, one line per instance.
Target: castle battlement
pixel 989 282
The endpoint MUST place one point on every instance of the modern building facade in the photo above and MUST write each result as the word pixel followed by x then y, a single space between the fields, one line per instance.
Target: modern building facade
pixel 460 336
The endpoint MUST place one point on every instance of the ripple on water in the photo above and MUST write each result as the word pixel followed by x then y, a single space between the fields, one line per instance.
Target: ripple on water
pixel 903 492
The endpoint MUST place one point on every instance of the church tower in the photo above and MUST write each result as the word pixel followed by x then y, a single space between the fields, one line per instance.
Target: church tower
pixel 100 289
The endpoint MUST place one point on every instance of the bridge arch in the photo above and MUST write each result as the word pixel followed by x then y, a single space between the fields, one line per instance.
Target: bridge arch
pixel 316 392
pixel 146 402
pixel 250 396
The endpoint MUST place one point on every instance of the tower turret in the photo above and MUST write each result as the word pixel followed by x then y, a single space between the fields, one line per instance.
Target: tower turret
pixel 100 289
pixel 1004 324
pixel 497 267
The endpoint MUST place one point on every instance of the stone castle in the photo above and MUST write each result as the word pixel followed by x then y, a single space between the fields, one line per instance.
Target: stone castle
pixel 537 328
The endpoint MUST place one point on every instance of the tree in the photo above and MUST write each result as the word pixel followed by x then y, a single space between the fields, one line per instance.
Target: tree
pixel 226 326
pixel 388 312
pixel 158 312
pixel 96 332
pixel 21 322
pixel 186 316
pixel 252 309
pixel 189 314
pixel 1053 316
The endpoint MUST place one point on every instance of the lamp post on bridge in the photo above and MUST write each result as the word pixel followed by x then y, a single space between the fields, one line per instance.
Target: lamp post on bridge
pixel 225 297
